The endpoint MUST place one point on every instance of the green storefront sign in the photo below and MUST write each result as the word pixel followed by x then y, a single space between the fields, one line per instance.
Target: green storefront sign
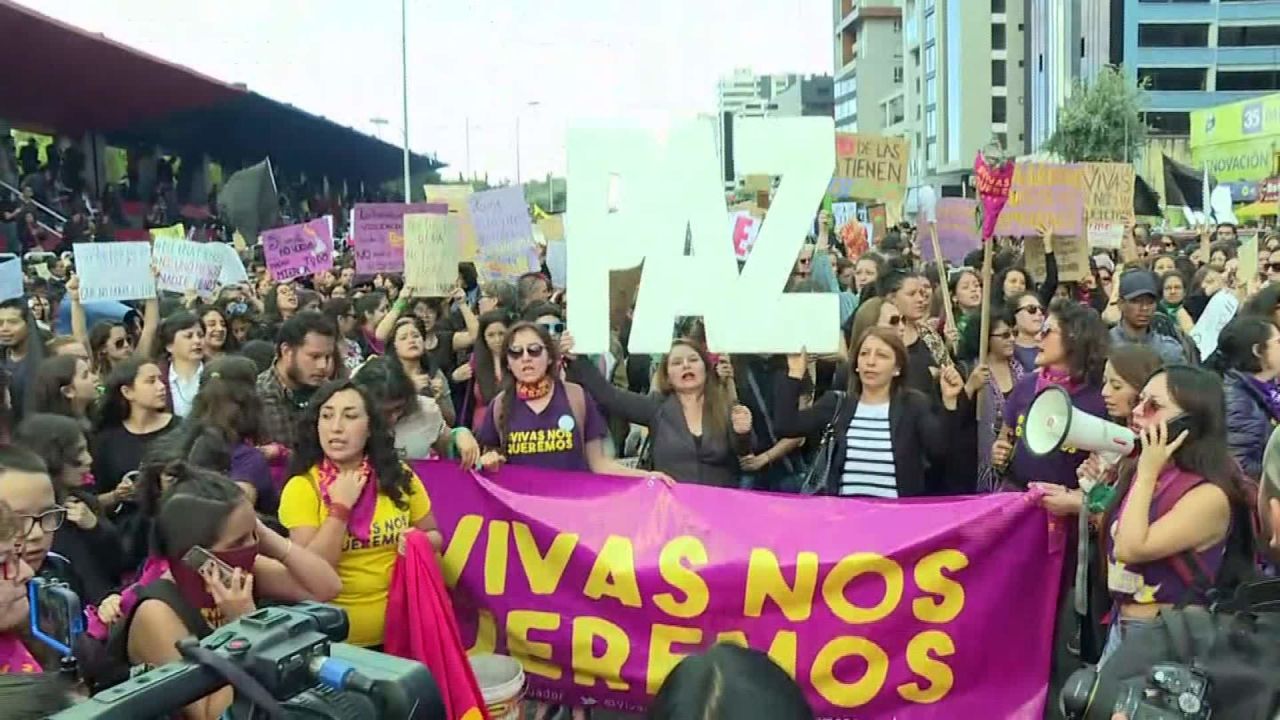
pixel 1239 141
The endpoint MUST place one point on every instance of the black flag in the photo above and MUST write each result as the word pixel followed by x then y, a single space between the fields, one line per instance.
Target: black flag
pixel 1183 186
pixel 249 202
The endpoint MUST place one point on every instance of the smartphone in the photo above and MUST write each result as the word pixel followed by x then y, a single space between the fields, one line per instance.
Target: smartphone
pixel 197 558
pixel 57 618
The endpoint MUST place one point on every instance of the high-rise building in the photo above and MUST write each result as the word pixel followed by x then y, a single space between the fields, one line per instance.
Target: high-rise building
pixel 1197 54
pixel 1065 42
pixel 868 61
pixel 808 96
pixel 964 86
pixel 743 94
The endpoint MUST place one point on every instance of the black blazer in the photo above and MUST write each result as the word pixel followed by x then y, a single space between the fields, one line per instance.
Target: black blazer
pixel 918 427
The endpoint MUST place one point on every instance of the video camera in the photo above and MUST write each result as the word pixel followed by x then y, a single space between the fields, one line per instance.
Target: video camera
pixel 284 662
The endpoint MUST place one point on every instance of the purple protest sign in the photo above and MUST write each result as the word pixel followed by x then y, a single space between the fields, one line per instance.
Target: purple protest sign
pixel 957 229
pixel 504 234
pixel 299 250
pixel 377 234
pixel 934 609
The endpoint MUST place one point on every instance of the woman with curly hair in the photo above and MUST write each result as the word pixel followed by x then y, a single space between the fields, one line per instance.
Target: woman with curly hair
pixel 349 500
pixel 1073 354
pixel 218 339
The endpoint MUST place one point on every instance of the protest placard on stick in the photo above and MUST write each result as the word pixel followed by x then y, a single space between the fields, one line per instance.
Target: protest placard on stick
pixel 870 167
pixel 114 271
pixel 377 234
pixel 430 253
pixel 296 251
pixel 504 233
pixel 1044 194
pixel 1108 203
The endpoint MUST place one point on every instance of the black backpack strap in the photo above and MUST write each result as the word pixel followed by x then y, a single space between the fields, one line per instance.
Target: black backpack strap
pixel 167 592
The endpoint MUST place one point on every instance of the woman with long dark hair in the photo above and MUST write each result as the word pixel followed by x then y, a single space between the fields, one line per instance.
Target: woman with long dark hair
pixel 539 420
pixel 205 510
pixel 484 370
pixel 182 360
pixel 218 339
pixel 883 429
pixel 64 385
pixel 342 313
pixel 1181 523
pixel 349 499
pixel 993 379
pixel 109 341
pixel 132 414
pixel 1073 352
pixel 416 352
pixel 280 303
pixel 729 682
pixel 420 428
pixel 697 432
pixel 1248 358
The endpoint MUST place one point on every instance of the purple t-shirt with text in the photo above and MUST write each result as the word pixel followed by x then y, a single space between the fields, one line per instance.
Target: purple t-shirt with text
pixel 551 439
pixel 1057 467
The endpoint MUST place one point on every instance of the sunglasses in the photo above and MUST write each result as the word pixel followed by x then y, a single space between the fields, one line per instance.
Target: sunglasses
pixel 516 352
pixel 895 321
pixel 1031 309
pixel 1273 267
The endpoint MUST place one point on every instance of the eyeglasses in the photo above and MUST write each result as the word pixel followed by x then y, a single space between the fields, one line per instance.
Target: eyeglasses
pixel 120 344
pixel 516 352
pixel 1004 335
pixel 50 520
pixel 1031 309
pixel 554 328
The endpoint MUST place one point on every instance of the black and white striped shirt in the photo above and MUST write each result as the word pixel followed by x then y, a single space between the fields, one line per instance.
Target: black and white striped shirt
pixel 868 458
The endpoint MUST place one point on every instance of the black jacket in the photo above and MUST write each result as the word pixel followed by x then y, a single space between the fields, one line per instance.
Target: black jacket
pixel 918 427
pixel 95 558
pixel 1248 422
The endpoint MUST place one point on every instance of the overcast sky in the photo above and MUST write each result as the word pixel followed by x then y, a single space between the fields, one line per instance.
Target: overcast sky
pixel 482 61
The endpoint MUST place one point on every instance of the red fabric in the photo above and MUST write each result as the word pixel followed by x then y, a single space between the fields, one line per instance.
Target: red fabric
pixel 421 626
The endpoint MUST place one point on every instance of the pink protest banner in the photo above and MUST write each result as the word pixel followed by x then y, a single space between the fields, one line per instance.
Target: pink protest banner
pixel 296 251
pixel 957 229
pixel 377 234
pixel 931 609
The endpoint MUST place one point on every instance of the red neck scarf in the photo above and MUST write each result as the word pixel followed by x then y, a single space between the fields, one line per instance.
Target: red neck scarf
pixel 534 390
pixel 1047 376
pixel 361 522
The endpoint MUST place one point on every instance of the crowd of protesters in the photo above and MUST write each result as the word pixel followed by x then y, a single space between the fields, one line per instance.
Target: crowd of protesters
pixel 269 424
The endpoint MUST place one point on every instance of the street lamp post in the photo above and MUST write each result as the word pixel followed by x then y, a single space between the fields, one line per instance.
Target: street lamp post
pixel 531 103
pixel 404 91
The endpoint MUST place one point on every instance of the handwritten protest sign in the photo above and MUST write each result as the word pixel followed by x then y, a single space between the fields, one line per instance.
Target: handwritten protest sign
pixel 504 233
pixel 430 253
pixel 185 265
pixel 743 227
pixel 1044 193
pixel 232 266
pixel 456 198
pixel 599 586
pixel 11 279
pixel 299 250
pixel 377 234
pixel 115 271
pixel 173 232
pixel 1070 253
pixel 957 229
pixel 1108 202
pixel 870 167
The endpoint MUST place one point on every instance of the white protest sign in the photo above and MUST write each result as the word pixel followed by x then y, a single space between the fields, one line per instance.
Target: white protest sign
pixel 233 271
pixel 185 265
pixel 11 278
pixel 431 253
pixel 115 271
pixel 637 191
pixel 1221 308
pixel 558 262
pixel 744 227
pixel 1106 234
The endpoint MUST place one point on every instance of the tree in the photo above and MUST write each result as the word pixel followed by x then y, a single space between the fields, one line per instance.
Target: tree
pixel 1101 121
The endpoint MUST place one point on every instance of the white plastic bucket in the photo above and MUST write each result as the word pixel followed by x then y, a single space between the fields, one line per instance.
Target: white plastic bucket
pixel 501 681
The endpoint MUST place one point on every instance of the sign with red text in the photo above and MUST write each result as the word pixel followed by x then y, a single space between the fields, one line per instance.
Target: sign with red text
pixel 600 585
pixel 744 227
pixel 870 167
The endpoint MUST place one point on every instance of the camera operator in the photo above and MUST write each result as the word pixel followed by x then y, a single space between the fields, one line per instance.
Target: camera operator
pixel 207 510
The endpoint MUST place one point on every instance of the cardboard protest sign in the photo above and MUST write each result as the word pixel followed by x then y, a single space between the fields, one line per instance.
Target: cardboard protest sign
pixel 870 167
pixel 957 229
pixel 377 234
pixel 1071 254
pixel 115 271
pixel 552 227
pixel 849 228
pixel 185 265
pixel 504 233
pixel 879 219
pixel 743 227
pixel 558 262
pixel 173 232
pixel 1247 260
pixel 1044 193
pixel 296 251
pixel 756 183
pixel 1108 203
pixel 430 253
pixel 456 198
pixel 11 279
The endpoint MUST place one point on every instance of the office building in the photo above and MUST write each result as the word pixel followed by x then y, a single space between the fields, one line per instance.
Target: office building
pixel 964 87
pixel 1065 42
pixel 809 95
pixel 1199 54
pixel 743 94
pixel 868 61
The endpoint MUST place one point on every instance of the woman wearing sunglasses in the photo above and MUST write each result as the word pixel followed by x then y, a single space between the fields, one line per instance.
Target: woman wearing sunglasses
pixel 1028 321
pixel 1073 351
pixel 993 378
pixel 539 420
pixel 1180 524
pixel 108 340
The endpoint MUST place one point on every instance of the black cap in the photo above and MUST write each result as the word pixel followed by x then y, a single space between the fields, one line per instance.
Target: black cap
pixel 1136 283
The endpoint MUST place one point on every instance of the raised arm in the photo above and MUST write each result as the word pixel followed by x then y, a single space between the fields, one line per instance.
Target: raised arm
pixel 629 406
pixel 788 419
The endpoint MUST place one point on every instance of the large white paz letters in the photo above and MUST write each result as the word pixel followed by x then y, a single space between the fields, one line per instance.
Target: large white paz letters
pixel 637 192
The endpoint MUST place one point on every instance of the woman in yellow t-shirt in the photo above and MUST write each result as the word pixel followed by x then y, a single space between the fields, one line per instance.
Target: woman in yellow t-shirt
pixel 350 499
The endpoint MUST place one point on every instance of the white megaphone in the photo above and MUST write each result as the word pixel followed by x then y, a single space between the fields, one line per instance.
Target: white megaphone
pixel 1054 423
